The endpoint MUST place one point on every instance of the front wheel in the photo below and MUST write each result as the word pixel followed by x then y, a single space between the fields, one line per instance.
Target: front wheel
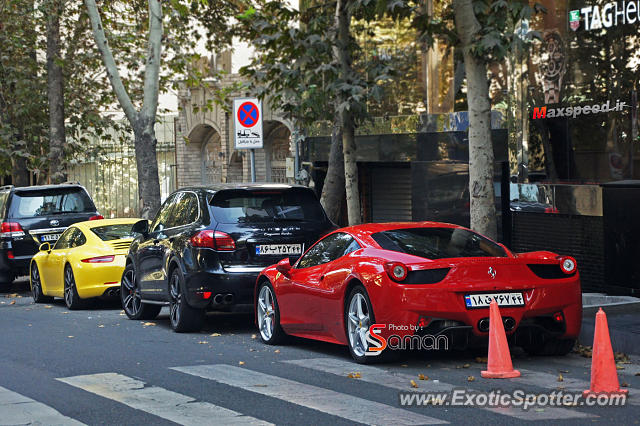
pixel 36 286
pixel 268 315
pixel 183 317
pixel 131 300
pixel 71 297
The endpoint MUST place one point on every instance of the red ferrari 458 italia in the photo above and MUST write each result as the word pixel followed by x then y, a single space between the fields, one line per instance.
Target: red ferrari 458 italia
pixel 390 286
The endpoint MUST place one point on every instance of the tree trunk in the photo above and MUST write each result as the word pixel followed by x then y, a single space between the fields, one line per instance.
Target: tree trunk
pixel 333 188
pixel 141 121
pixel 147 163
pixel 342 55
pixel 55 86
pixel 19 172
pixel 483 210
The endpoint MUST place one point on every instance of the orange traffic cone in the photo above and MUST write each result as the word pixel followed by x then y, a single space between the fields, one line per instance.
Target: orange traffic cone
pixel 499 364
pixel 604 376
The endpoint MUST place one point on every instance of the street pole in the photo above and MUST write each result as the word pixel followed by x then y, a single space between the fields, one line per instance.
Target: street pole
pixel 252 156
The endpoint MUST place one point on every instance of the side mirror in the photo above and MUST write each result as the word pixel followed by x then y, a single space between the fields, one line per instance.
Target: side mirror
pixel 141 227
pixel 284 266
pixel 45 247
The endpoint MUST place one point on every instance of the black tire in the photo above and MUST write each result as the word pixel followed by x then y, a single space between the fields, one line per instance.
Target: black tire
pixel 71 297
pixel 183 317
pixel 355 348
pixel 551 347
pixel 36 286
pixel 268 315
pixel 130 298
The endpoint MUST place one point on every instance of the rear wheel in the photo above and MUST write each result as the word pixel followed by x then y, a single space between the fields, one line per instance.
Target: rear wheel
pixel 358 316
pixel 268 315
pixel 131 300
pixel 36 286
pixel 183 317
pixel 71 297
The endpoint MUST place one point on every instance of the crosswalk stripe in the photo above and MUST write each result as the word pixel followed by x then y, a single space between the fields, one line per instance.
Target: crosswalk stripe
pixel 178 408
pixel 401 381
pixel 17 409
pixel 328 401
pixel 550 381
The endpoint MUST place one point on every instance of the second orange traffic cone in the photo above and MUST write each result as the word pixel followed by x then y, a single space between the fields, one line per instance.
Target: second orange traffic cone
pixel 499 364
pixel 604 375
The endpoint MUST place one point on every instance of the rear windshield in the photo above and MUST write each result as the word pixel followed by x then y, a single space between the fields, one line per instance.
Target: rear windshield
pixel 114 232
pixel 438 243
pixel 50 202
pixel 243 206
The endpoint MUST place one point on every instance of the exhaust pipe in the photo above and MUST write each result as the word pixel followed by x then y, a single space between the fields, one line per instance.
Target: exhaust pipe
pixel 509 323
pixel 217 299
pixel 228 299
pixel 483 325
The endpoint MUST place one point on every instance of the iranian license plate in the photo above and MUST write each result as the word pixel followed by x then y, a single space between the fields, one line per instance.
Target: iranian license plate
pixel 484 300
pixel 273 249
pixel 49 237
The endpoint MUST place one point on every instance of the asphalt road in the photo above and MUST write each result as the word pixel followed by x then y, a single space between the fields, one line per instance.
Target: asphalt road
pixel 95 366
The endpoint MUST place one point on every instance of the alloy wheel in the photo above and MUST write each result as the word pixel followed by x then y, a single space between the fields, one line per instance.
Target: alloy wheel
pixel 266 312
pixel 176 300
pixel 359 322
pixel 36 289
pixel 130 294
pixel 69 284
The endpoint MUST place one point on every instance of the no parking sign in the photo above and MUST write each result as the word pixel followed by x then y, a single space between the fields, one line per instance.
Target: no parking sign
pixel 247 116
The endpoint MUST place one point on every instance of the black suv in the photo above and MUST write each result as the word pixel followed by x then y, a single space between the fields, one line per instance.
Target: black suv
pixel 33 215
pixel 207 245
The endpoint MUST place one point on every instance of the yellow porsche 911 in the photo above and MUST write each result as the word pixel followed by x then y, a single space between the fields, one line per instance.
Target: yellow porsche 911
pixel 87 261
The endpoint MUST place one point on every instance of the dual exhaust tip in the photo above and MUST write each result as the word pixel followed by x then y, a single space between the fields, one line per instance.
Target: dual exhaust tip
pixel 508 322
pixel 223 299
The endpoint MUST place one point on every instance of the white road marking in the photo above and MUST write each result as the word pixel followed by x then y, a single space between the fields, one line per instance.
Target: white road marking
pixel 16 409
pixel 178 408
pixel 401 381
pixel 328 401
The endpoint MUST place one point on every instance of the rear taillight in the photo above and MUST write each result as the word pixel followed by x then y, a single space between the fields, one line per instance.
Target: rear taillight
pixel 96 217
pixel 99 259
pixel 396 270
pixel 568 265
pixel 11 229
pixel 550 210
pixel 213 239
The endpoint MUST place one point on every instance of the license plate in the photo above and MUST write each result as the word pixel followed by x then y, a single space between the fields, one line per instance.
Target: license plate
pixel 272 249
pixel 50 237
pixel 484 300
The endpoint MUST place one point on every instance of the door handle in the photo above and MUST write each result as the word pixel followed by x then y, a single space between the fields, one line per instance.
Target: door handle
pixel 321 277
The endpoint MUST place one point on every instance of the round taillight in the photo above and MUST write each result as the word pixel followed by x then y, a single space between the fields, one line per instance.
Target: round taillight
pixel 396 271
pixel 568 265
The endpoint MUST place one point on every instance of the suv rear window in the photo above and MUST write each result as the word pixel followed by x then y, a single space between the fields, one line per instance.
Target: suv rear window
pixel 114 232
pixel 438 243
pixel 246 206
pixel 50 202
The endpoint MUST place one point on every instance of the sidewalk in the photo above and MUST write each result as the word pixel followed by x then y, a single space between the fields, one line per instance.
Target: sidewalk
pixel 623 317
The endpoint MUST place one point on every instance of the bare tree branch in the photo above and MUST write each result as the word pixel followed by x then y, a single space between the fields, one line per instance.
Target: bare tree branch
pixel 110 63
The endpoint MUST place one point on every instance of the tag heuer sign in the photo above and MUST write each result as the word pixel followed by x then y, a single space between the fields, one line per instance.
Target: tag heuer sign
pixel 574 19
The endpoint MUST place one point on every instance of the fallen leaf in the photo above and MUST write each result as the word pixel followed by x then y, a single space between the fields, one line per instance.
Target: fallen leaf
pixel 355 375
pixel 9 296
pixel 563 371
pixel 540 410
pixel 624 384
pixel 428 365
pixel 215 334
pixel 404 365
pixel 202 342
pixel 466 366
pixel 560 378
pixel 251 350
pixel 481 359
pixel 414 384
pixel 241 362
pixel 101 326
pixel 458 366
pixel 423 377
pixel 619 367
pixel 28 325
pixel 277 351
pixel 146 324
pixel 70 337
pixel 48 306
pixel 65 312
pixel 637 374
pixel 470 379
pixel 254 336
pixel 13 302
